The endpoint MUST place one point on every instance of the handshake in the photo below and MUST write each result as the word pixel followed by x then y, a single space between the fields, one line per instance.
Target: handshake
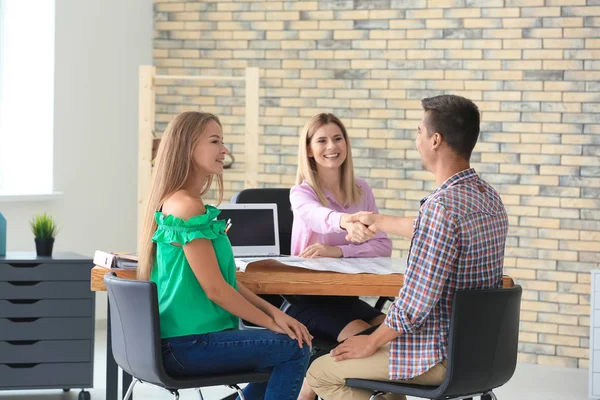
pixel 361 226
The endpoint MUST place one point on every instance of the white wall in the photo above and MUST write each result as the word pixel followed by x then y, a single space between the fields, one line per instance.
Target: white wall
pixel 99 46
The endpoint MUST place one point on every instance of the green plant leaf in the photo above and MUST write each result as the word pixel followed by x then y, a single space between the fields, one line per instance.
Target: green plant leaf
pixel 43 226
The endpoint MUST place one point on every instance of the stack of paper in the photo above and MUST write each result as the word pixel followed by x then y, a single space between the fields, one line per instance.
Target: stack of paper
pixel 115 260
pixel 375 265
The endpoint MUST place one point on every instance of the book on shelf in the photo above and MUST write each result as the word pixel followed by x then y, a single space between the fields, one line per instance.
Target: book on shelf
pixel 115 260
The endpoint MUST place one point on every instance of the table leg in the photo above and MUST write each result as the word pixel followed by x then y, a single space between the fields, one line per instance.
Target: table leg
pixel 112 370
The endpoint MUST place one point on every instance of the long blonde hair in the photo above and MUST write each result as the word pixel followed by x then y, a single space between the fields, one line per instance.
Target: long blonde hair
pixel 172 168
pixel 307 167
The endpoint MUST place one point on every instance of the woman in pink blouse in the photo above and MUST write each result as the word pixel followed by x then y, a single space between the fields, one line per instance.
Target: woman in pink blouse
pixel 324 198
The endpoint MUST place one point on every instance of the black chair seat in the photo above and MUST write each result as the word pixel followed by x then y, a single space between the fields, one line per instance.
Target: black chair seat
pixel 193 382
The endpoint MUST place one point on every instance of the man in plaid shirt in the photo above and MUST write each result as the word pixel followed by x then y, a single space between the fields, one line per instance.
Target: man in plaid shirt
pixel 457 243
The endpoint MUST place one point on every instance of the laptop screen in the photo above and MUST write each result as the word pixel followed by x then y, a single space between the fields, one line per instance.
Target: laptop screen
pixel 253 228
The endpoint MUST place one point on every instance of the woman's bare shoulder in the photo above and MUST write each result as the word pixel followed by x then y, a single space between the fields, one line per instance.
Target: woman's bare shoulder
pixel 182 204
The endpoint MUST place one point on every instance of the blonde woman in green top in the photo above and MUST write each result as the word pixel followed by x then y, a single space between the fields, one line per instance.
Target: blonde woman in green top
pixel 186 252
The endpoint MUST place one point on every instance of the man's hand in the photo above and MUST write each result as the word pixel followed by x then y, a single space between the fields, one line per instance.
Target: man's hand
pixel 287 325
pixel 358 232
pixel 354 347
pixel 321 250
pixel 369 220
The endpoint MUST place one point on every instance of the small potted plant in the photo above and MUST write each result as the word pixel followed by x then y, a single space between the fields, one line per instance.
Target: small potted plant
pixel 44 229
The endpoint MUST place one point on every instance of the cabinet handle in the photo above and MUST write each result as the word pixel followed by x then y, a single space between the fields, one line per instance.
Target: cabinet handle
pixel 24 265
pixel 24 301
pixel 21 320
pixel 22 342
pixel 23 283
pixel 16 366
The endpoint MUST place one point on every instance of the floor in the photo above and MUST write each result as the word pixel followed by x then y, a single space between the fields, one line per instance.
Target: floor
pixel 531 382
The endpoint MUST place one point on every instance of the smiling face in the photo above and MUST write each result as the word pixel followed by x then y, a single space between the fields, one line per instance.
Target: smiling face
pixel 328 147
pixel 209 151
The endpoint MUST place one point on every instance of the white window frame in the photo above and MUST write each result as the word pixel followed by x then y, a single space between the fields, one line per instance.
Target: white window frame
pixel 27 37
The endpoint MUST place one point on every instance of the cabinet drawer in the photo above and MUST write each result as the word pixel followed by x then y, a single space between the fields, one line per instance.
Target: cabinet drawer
pixel 46 308
pixel 44 290
pixel 15 376
pixel 595 362
pixel 45 351
pixel 45 272
pixel 45 328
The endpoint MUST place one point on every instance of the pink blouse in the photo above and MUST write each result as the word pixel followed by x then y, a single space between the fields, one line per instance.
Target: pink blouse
pixel 315 223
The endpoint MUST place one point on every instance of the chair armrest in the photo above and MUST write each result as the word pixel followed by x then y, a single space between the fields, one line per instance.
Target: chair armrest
pixel 382 300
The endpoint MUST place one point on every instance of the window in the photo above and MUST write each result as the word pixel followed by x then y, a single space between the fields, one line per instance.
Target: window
pixel 26 96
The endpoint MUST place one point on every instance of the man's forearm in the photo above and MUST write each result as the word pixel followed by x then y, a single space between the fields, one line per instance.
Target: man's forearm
pixel 402 226
pixel 382 335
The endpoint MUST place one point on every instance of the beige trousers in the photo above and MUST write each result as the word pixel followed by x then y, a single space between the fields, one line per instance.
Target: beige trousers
pixel 327 377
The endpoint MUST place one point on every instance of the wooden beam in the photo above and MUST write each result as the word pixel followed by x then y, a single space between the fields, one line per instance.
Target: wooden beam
pixel 145 139
pixel 252 128
pixel 199 78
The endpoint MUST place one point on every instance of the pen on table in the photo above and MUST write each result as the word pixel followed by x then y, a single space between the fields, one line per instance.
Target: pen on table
pixel 228 227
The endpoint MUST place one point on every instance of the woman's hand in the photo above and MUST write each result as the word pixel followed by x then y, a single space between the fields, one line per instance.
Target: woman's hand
pixel 369 220
pixel 321 250
pixel 283 323
pixel 357 231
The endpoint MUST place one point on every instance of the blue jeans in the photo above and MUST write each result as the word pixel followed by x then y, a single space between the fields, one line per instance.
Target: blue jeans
pixel 241 351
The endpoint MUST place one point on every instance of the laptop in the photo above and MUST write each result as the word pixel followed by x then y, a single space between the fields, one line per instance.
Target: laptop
pixel 254 230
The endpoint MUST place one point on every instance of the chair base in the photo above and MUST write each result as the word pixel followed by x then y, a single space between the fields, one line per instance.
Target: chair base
pixel 484 396
pixel 175 392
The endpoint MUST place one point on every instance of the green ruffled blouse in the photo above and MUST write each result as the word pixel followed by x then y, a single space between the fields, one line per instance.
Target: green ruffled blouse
pixel 184 307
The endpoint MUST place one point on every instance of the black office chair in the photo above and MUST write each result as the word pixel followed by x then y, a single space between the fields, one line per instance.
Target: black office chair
pixel 482 348
pixel 136 341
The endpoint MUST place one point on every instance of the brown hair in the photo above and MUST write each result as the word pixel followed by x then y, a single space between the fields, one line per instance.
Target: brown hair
pixel 172 168
pixel 456 119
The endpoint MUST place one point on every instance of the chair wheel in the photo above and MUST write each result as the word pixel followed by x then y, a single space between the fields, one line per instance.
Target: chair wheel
pixel 66 390
pixel 83 395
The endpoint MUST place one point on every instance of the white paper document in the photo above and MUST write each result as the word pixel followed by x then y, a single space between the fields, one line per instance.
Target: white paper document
pixel 242 262
pixel 375 265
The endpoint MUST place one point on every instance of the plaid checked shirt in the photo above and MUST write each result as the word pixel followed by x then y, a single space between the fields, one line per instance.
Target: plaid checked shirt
pixel 458 243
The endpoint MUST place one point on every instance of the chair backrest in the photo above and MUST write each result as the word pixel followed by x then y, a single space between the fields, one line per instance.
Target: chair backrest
pixel 281 197
pixel 483 340
pixel 135 328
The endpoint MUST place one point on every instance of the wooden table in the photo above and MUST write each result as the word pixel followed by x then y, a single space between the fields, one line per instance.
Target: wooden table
pixel 269 277
pixel 273 277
